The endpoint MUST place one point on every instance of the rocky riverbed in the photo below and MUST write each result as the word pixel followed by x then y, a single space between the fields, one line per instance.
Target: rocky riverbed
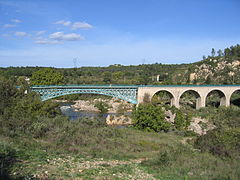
pixel 119 114
pixel 88 105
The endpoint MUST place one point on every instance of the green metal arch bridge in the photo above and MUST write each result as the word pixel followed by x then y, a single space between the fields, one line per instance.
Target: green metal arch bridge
pixel 127 93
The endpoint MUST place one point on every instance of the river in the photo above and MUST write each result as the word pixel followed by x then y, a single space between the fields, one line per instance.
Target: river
pixel 67 110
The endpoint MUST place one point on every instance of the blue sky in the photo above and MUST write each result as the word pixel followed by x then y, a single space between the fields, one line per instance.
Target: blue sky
pixel 104 32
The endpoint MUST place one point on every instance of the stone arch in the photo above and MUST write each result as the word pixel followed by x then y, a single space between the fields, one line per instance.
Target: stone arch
pixel 195 104
pixel 163 97
pixel 222 96
pixel 235 98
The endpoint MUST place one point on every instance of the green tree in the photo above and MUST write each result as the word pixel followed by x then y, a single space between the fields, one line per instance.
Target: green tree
pixel 213 52
pixel 46 76
pixel 227 52
pixel 102 107
pixel 107 77
pixel 150 118
pixel 220 53
pixel 7 94
pixel 208 80
pixel 146 98
pixel 121 109
pixel 117 75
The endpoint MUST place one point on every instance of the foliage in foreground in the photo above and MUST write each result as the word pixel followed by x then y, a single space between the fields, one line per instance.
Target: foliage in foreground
pixel 150 118
pixel 37 142
pixel 182 162
pixel 224 139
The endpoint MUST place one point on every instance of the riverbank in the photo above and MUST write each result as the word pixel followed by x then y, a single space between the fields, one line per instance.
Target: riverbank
pixel 114 104
pixel 118 114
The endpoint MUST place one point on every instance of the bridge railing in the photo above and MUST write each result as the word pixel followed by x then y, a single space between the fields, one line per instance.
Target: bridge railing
pixel 133 86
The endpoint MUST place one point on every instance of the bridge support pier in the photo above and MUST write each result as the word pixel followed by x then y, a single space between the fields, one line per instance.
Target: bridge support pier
pixel 200 102
pixel 225 101
pixel 176 103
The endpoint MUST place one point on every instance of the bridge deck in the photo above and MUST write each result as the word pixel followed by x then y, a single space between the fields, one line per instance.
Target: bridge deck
pixel 125 86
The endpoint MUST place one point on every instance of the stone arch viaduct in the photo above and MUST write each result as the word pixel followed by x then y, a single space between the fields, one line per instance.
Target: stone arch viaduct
pixel 135 94
pixel 201 92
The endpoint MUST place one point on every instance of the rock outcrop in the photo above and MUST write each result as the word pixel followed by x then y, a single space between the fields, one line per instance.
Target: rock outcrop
pixel 200 126
pixel 81 105
pixel 118 120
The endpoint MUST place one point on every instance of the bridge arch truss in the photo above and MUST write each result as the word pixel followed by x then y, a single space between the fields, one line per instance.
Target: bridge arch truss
pixel 127 93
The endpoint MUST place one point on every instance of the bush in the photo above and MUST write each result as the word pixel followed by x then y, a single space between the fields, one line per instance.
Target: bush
pixel 150 118
pixel 102 107
pixel 7 159
pixel 222 142
pixel 182 119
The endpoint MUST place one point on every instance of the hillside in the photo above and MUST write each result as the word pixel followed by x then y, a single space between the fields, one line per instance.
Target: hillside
pixel 223 68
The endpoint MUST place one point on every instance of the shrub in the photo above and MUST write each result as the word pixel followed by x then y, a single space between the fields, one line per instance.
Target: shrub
pixel 150 118
pixel 182 119
pixel 222 142
pixel 102 106
pixel 7 159
pixel 146 98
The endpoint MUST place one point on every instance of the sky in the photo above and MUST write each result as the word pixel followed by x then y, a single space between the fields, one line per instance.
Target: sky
pixel 68 33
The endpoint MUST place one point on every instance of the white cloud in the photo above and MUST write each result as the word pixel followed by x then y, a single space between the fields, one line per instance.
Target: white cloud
pixel 81 25
pixel 9 25
pixel 40 33
pixel 60 36
pixel 20 33
pixel 46 41
pixel 64 23
pixel 16 20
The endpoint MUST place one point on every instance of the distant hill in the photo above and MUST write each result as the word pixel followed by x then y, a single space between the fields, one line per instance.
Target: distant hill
pixel 222 67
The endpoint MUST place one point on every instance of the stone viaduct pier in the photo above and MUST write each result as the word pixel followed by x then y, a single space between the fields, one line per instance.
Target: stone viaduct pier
pixel 135 94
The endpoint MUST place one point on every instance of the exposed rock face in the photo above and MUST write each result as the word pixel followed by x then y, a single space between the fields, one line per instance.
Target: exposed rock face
pixel 192 76
pixel 216 69
pixel 170 117
pixel 200 126
pixel 118 120
pixel 81 105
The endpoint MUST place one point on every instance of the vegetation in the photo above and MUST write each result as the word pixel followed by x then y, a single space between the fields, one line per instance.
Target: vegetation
pixel 150 118
pixel 37 142
pixel 102 106
pixel 224 139
pixel 220 68
pixel 47 76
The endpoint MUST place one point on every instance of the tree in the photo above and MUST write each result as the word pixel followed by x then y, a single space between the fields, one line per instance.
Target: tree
pixel 102 107
pixel 146 98
pixel 107 77
pixel 117 75
pixel 220 53
pixel 46 76
pixel 7 94
pixel 208 80
pixel 150 118
pixel 121 109
pixel 213 52
pixel 227 52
